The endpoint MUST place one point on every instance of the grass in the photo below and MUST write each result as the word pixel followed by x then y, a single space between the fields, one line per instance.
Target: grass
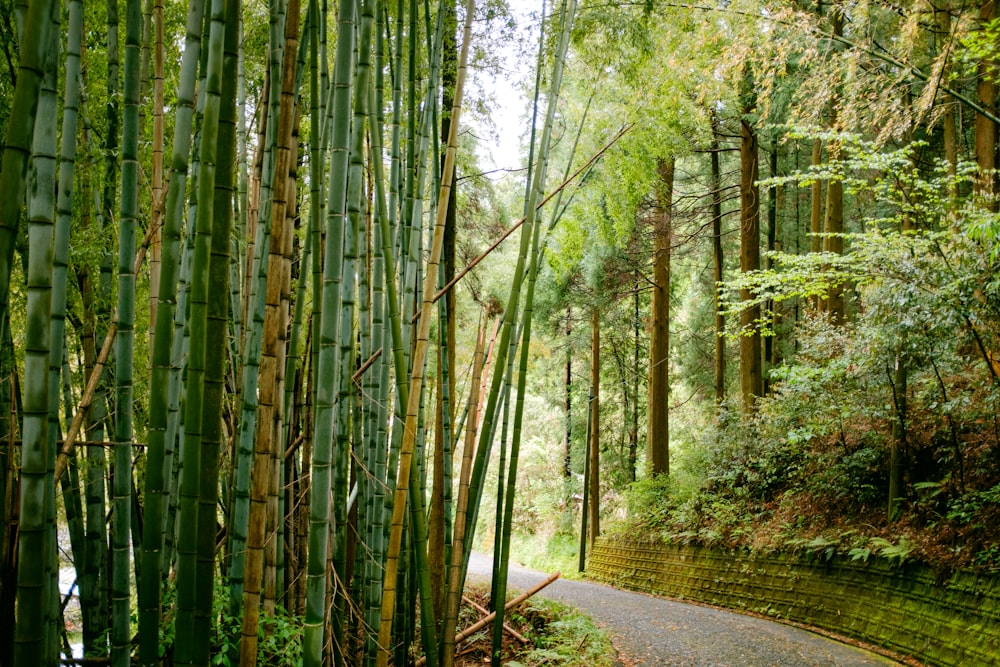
pixel 548 553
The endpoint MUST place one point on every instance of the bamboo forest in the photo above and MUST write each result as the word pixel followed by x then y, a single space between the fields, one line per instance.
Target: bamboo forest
pixel 303 303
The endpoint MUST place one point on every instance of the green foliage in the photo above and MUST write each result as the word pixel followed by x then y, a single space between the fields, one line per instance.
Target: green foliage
pixel 279 637
pixel 563 636
pixel 809 470
pixel 545 552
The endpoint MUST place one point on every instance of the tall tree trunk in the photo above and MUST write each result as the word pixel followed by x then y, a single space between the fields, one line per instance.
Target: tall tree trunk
pixel 898 382
pixel 567 471
pixel 719 262
pixel 633 435
pixel 816 210
pixel 770 347
pixel 751 374
pixel 948 119
pixel 595 428
pixel 658 434
pixel 834 221
pixel 986 129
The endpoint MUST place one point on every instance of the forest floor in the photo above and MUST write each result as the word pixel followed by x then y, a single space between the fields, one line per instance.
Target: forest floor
pixel 648 630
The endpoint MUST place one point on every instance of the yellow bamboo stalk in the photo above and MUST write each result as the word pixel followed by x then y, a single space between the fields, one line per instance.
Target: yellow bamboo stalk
pixel 419 353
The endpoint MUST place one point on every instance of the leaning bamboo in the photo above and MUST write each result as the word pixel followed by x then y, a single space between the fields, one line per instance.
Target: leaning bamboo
pixel 417 366
pixel 486 612
pixel 503 237
pixel 535 193
pixel 90 392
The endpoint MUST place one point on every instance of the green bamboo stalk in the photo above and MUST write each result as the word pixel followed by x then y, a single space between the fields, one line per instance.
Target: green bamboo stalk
pixel 281 509
pixel 416 377
pixel 217 315
pixel 61 239
pixel 124 343
pixel 157 203
pixel 72 502
pixel 48 109
pixel 322 455
pixel 167 346
pixel 511 311
pixel 93 580
pixel 377 386
pixel 172 460
pixel 454 576
pixel 500 585
pixel 348 295
pixel 35 632
pixel 194 583
pixel 396 164
pixel 495 597
pixel 242 196
pixel 253 323
pixel 33 50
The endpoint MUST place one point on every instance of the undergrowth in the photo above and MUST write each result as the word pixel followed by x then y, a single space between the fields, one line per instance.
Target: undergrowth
pixel 556 635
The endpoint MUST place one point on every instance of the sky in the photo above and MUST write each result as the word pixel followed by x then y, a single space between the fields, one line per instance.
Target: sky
pixel 503 151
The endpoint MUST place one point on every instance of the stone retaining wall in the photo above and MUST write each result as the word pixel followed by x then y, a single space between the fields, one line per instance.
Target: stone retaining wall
pixel 908 609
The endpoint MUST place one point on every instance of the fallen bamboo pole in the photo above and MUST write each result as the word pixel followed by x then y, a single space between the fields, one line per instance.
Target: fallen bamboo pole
pixel 506 628
pixel 482 623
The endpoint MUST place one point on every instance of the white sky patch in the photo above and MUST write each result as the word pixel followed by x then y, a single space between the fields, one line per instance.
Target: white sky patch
pixel 503 149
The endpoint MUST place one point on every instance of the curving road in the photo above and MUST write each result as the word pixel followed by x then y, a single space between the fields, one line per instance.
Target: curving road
pixel 648 630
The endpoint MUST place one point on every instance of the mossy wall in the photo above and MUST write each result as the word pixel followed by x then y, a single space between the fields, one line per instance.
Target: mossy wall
pixel 940 620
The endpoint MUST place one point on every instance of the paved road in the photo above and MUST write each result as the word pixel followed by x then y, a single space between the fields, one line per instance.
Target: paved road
pixel 648 630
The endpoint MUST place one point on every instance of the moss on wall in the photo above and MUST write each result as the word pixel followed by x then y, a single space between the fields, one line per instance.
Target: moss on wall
pixel 938 619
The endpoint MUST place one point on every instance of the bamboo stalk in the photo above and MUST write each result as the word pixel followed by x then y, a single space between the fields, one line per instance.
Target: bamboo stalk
pixel 416 378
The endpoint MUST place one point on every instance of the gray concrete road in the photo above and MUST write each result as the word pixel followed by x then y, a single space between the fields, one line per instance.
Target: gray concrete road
pixel 650 631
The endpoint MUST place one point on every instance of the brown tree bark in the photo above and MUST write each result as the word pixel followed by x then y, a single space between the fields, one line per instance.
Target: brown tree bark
pixel 568 444
pixel 720 319
pixel 770 348
pixel 986 129
pixel 816 211
pixel 595 430
pixel 950 137
pixel 834 221
pixel 751 371
pixel 658 433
